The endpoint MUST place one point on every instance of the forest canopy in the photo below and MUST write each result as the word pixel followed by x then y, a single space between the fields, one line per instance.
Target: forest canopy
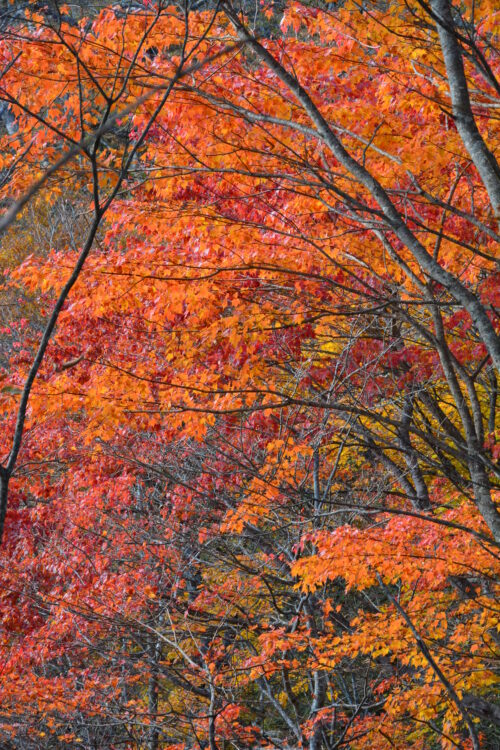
pixel 250 315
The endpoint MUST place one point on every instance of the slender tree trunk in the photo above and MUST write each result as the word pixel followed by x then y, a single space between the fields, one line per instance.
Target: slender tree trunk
pixel 153 695
pixel 481 156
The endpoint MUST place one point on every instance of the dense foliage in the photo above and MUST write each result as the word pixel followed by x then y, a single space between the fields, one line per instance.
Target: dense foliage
pixel 248 376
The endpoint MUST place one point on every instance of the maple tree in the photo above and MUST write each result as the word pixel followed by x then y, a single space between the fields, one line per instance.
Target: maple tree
pixel 249 405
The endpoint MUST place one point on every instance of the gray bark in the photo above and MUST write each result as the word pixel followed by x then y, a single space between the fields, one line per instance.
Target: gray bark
pixel 482 708
pixel 481 156
pixel 411 456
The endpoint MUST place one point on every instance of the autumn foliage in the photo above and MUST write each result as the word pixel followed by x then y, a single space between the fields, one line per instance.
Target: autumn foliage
pixel 248 376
